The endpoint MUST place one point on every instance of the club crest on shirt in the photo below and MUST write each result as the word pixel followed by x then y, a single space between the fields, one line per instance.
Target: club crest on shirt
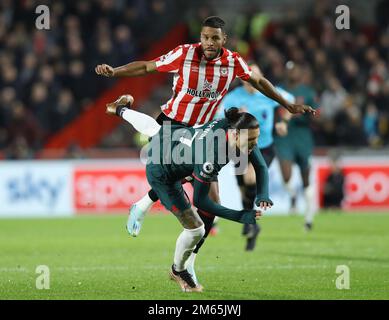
pixel 224 71
pixel 207 86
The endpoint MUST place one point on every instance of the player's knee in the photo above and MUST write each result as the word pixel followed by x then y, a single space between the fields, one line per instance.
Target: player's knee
pixel 198 224
pixel 199 232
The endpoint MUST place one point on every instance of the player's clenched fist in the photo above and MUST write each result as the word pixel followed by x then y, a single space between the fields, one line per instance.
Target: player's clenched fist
pixel 105 70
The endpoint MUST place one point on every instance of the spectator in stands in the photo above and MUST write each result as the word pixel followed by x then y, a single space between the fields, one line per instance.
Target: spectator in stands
pixel 348 123
pixel 40 103
pixel 41 67
pixel 64 110
pixel 332 99
pixel 23 128
pixel 334 184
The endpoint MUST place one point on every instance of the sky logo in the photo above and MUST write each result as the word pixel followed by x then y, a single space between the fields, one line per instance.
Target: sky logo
pixel 27 188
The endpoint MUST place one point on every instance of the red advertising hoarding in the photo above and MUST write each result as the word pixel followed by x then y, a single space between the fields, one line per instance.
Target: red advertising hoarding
pixel 366 185
pixel 99 189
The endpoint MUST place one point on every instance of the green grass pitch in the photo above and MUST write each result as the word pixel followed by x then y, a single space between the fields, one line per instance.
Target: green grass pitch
pixel 91 257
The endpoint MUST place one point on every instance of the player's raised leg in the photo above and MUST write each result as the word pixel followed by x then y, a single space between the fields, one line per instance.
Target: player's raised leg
pixel 149 127
pixel 138 212
pixel 140 121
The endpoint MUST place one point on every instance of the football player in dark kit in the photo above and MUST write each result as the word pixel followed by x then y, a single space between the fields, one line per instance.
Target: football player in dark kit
pixel 177 152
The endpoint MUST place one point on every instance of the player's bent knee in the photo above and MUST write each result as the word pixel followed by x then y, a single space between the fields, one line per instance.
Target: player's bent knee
pixel 189 219
pixel 196 224
pixel 198 232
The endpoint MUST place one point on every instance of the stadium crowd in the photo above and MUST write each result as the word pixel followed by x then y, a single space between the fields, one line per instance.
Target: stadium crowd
pixel 47 78
pixel 348 69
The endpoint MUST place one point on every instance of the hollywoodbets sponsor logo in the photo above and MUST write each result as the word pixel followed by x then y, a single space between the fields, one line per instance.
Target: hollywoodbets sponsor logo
pixel 211 95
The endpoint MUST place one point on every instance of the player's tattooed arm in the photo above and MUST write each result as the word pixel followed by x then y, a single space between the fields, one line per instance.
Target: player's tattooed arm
pixel 259 82
pixel 132 69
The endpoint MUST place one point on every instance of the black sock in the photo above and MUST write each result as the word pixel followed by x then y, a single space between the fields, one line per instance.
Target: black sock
pixel 250 192
pixel 208 223
pixel 153 196
pixel 120 110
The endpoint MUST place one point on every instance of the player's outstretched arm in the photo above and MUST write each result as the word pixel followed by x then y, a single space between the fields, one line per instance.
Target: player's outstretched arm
pixel 263 85
pixel 262 179
pixel 202 201
pixel 132 69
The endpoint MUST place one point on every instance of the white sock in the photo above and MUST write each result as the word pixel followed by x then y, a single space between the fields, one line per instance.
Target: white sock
pixel 309 205
pixel 145 203
pixel 141 122
pixel 186 242
pixel 190 266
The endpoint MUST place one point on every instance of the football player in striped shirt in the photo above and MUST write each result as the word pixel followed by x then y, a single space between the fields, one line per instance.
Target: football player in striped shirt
pixel 203 73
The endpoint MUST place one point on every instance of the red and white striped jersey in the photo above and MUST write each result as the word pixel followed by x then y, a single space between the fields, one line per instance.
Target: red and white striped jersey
pixel 199 85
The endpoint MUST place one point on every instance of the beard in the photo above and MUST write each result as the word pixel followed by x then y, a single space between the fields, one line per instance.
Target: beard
pixel 210 56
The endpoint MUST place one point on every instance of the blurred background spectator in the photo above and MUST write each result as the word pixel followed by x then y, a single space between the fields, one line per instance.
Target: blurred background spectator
pixel 47 78
pixel 334 184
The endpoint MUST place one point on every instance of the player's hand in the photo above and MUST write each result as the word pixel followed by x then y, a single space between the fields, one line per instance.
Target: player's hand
pixel 264 204
pixel 281 128
pixel 258 214
pixel 249 216
pixel 105 70
pixel 300 108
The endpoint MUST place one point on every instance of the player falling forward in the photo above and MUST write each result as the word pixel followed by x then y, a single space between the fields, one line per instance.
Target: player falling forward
pixel 205 150
pixel 121 108
pixel 203 73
